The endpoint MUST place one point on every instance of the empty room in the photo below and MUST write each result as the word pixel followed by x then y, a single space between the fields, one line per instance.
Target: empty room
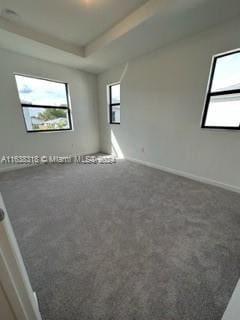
pixel 120 160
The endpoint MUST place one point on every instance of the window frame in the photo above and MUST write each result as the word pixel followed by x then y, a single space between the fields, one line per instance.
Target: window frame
pixel 111 105
pixel 210 94
pixel 25 105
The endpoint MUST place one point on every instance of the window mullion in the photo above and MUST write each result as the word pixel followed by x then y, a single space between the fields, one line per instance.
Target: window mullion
pixel 224 92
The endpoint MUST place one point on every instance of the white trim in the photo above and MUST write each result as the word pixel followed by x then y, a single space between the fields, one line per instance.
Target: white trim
pixel 233 309
pixel 13 275
pixel 36 298
pixel 186 175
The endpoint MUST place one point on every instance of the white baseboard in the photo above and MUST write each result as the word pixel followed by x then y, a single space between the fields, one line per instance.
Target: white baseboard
pixel 186 175
pixel 155 166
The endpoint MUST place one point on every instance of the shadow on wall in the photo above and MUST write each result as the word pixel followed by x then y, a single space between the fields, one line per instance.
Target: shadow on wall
pixel 115 147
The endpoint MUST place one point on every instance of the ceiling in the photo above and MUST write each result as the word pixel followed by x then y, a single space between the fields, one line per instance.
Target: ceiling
pixel 74 21
pixel 96 34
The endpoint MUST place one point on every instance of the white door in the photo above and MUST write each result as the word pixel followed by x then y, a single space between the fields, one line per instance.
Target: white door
pixel 17 299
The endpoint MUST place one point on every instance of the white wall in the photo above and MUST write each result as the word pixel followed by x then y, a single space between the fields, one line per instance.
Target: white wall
pixel 162 98
pixel 14 139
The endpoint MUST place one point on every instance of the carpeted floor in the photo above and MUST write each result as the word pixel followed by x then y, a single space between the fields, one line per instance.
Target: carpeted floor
pixel 124 242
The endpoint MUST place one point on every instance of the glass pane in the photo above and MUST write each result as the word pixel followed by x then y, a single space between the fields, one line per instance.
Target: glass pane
pixel 116 93
pixel 227 73
pixel 116 114
pixel 41 92
pixel 224 111
pixel 46 119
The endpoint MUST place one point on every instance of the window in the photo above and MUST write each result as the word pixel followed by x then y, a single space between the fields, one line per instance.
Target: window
pixel 114 107
pixel 222 109
pixel 45 104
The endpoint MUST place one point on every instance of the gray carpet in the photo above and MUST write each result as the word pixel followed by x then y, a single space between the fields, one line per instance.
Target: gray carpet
pixel 124 242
